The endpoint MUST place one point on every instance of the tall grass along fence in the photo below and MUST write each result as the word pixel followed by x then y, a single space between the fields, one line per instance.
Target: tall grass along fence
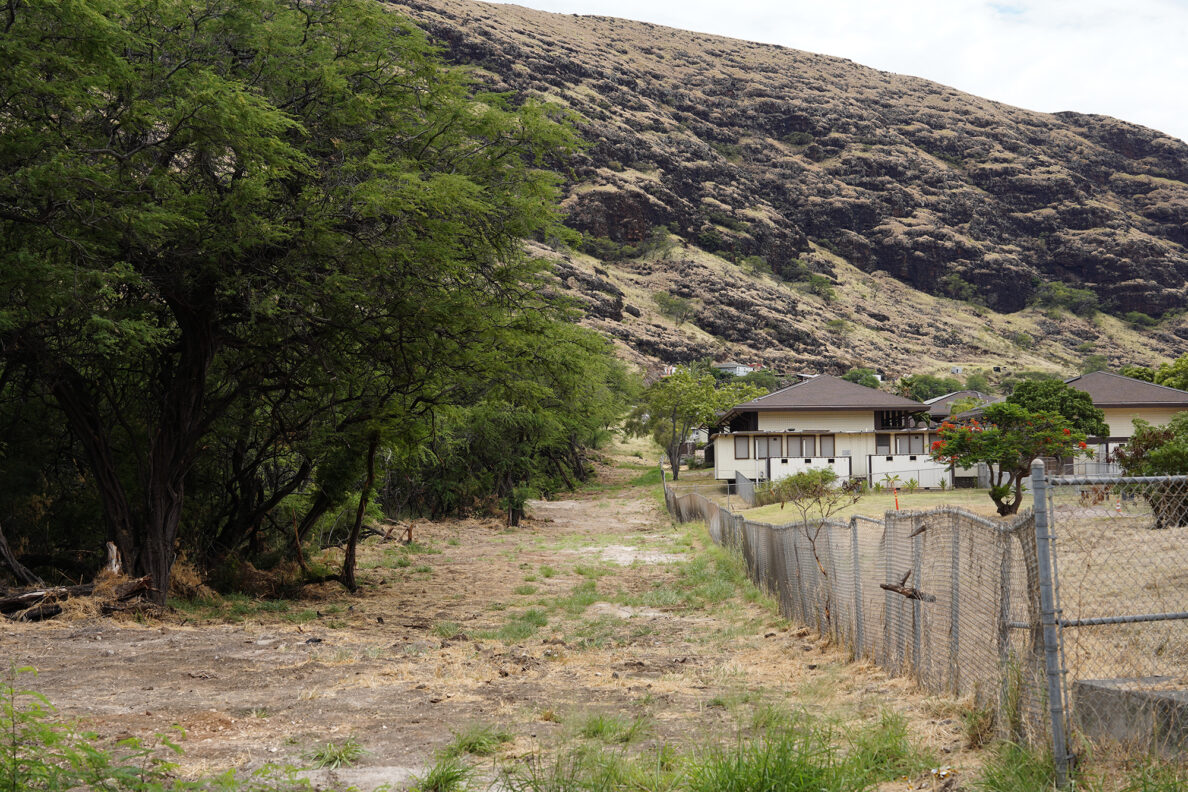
pixel 972 606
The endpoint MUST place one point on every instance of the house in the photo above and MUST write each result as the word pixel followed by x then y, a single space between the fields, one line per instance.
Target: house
pixel 939 407
pixel 1123 399
pixel 737 369
pixel 825 421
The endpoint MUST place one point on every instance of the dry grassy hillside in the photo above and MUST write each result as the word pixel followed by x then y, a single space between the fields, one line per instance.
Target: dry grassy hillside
pixel 740 175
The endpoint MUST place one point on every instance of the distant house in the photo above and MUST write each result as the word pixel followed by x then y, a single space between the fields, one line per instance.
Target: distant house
pixel 827 422
pixel 940 407
pixel 737 369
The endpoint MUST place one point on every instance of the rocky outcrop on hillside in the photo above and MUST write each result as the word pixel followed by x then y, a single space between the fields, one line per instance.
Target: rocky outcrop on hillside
pixel 782 159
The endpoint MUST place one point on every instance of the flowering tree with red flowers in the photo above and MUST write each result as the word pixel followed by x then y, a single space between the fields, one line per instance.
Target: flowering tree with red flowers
pixel 1008 438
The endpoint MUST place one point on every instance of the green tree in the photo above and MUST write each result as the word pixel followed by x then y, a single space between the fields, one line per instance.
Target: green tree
pixel 688 398
pixel 265 214
pixel 678 309
pixel 1174 374
pixel 1144 373
pixel 1074 405
pixel 862 376
pixel 1095 362
pixel 922 387
pixel 1159 451
pixel 1008 438
pixel 1081 302
pixel 978 381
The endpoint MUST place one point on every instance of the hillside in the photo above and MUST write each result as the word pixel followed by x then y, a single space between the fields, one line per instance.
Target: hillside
pixel 821 214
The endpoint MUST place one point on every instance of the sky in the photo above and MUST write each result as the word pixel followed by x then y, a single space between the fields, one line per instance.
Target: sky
pixel 1127 59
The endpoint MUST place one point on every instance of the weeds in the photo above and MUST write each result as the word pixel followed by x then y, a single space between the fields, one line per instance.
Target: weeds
pixel 477 740
pixel 335 755
pixel 613 730
pixel 448 774
pixel 522 626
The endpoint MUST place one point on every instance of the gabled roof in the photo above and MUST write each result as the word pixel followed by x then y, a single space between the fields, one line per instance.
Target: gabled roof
pixel 1114 390
pixel 825 392
pixel 939 405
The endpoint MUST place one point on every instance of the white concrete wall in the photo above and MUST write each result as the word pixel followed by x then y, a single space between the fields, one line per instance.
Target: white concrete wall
pixel 823 421
pixel 921 467
pixel 1121 419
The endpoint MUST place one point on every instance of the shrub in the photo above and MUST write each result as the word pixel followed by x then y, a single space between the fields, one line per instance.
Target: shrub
pixel 1081 302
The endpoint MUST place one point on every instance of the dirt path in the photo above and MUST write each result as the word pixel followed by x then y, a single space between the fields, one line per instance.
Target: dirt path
pixel 597 604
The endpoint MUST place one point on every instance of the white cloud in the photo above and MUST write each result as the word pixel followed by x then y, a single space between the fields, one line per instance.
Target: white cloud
pixel 1128 60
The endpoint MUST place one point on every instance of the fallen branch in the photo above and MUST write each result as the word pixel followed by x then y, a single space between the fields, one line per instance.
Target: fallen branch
pixel 21 604
pixel 902 588
pixel 910 593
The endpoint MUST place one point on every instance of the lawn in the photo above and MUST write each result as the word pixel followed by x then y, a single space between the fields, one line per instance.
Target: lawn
pixel 875 504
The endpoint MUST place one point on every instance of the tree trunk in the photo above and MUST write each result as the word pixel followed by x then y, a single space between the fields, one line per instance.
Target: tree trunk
pixel 76 401
pixel 19 570
pixel 348 562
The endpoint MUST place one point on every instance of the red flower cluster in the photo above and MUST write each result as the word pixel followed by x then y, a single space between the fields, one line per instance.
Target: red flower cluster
pixel 1068 431
pixel 1082 444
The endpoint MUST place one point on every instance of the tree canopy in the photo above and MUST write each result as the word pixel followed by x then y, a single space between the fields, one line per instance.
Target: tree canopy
pixel 1053 396
pixel 251 248
pixel 1009 438
pixel 922 387
pixel 689 398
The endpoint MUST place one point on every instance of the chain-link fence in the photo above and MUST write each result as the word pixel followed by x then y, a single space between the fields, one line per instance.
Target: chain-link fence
pixel 1120 558
pixel 944 596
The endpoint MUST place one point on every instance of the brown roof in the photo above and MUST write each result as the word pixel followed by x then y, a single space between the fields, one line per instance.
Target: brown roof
pixel 825 392
pixel 940 405
pixel 1114 390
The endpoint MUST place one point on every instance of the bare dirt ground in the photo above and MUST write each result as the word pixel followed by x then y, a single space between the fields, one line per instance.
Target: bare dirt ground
pixel 452 636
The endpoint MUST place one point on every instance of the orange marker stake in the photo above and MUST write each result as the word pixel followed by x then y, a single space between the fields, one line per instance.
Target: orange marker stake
pixel 896 491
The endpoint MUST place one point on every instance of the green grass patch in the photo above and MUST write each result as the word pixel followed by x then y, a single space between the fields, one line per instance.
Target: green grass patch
pixel 582 596
pixel 334 755
pixel 477 740
pixel 612 729
pixel 448 774
pixel 524 590
pixel 522 626
pixel 547 571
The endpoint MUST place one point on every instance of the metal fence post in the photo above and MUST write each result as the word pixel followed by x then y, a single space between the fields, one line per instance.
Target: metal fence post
pixel 859 628
pixel 955 609
pixel 917 611
pixel 1051 626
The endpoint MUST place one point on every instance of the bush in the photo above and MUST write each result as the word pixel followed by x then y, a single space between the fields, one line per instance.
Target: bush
pixel 1081 302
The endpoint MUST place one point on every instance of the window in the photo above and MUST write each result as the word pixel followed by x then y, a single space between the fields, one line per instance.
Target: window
pixel 808 446
pixel 909 444
pixel 882 444
pixel 794 446
pixel 767 447
pixel 827 445
pixel 742 447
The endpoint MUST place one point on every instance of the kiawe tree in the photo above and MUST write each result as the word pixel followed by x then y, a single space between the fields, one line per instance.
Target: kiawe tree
pixel 685 400
pixel 266 218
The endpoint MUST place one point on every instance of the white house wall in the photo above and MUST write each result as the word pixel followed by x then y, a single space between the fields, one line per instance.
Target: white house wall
pixel 1121 419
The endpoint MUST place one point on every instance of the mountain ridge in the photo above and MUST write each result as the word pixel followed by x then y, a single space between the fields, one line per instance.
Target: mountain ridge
pixel 738 175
